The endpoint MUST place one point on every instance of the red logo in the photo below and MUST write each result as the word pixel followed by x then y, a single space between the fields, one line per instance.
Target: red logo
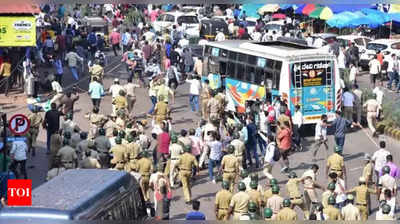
pixel 19 192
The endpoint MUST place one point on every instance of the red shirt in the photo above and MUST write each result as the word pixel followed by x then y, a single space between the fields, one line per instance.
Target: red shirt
pixel 115 23
pixel 115 38
pixel 163 143
pixel 285 139
pixel 379 57
pixel 241 32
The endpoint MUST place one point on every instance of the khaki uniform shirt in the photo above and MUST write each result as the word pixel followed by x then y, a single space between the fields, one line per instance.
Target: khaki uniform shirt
pixel 35 119
pixel 185 141
pixel 133 150
pixel 292 187
pixel 275 203
pixel 175 151
pixel 96 119
pixel 351 213
pixel 89 163
pixel 187 161
pixel 362 192
pixel 130 89
pixel 102 143
pixel 67 156
pixel 239 147
pixel 332 213
pixel 372 105
pixel 120 102
pixel 119 156
pixel 325 197
pixel 96 70
pixel 161 109
pixel 109 126
pixel 335 162
pixel 213 106
pixel 255 196
pixel 240 202
pixel 286 214
pixel 145 166
pixel 367 172
pixel 223 199
pixel 230 163
pixel 385 217
pixel 82 147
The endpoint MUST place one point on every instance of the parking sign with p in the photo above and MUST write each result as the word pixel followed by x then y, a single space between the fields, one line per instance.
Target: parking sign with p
pixel 19 124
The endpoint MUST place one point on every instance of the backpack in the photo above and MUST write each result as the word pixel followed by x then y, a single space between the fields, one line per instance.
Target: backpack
pixel 171 73
pixel 277 154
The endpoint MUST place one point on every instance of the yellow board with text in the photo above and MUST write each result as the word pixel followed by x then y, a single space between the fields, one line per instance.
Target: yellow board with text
pixel 17 31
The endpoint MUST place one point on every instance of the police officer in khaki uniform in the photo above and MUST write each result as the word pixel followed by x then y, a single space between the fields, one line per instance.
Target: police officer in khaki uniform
pixel 119 102
pixel 103 147
pixel 275 202
pixel 161 110
pixel 133 150
pixel 56 142
pixel 186 163
pixel 329 192
pixel 335 163
pixel 82 146
pixel 239 202
pixel 368 169
pixel 286 213
pixel 230 167
pixel 331 212
pixel 67 156
pixel 213 106
pixel 205 97
pixel 145 168
pixel 96 121
pixel 268 192
pixel 296 199
pixel 372 107
pixel 253 211
pixel 268 214
pixel 35 120
pixel 239 149
pixel 119 154
pixel 222 201
pixel 89 162
pixel 110 125
pixel 255 195
pixel 350 212
pixel 175 151
pixel 75 137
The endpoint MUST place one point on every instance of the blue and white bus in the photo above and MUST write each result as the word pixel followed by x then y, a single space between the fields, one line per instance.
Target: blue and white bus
pixel 299 74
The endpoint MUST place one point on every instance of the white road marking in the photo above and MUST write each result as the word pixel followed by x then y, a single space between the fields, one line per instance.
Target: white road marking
pixel 370 138
pixel 356 168
pixel 114 68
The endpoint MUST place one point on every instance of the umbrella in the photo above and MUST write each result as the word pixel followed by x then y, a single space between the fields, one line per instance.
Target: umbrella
pixel 308 9
pixel 338 8
pixel 278 16
pixel 286 6
pixel 268 8
pixel 341 20
pixel 323 13
pixel 394 8
pixel 299 9
pixel 376 15
pixel 361 19
pixel 395 17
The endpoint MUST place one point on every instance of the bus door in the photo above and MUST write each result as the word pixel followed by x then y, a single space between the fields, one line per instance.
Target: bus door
pixel 312 89
pixel 211 67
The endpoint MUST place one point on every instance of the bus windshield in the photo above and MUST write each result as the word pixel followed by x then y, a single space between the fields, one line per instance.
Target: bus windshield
pixel 312 74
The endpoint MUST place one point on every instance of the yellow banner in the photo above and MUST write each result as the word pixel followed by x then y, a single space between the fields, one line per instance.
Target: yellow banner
pixel 17 31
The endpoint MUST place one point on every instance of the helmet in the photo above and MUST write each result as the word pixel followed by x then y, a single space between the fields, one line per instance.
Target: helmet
pixel 254 176
pixel 273 181
pixel 292 175
pixel 174 139
pixel 129 138
pixel 241 186
pixel 115 132
pixel 386 169
pixel 122 134
pixel 253 184
pixel 118 140
pixel 187 148
pixel 252 206
pixel 225 185
pixel 386 209
pixel 122 92
pixel 331 200
pixel 67 135
pixel 244 174
pixel 68 116
pixel 102 131
pixel 338 148
pixel 145 154
pixel 275 189
pixel 331 186
pixel 286 202
pixel 239 126
pixel 83 135
pixel 231 148
pixel 267 213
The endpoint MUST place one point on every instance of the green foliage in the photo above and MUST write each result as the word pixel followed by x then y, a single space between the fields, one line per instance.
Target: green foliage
pixel 391 113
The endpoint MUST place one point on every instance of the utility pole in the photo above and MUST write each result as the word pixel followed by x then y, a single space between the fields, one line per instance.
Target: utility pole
pixel 4 117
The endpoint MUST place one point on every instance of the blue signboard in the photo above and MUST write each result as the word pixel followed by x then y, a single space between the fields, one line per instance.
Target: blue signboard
pixel 16 139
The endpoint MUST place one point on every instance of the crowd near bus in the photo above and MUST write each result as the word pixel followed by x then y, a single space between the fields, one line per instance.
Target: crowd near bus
pixel 256 86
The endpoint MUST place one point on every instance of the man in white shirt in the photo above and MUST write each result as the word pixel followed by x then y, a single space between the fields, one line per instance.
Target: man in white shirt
pixel 348 103
pixel 115 88
pixel 297 122
pixel 318 42
pixel 194 91
pixel 379 159
pixel 183 42
pixel 321 134
pixel 269 155
pixel 56 87
pixel 374 70
pixel 379 97
pixel 229 12
pixel 309 40
pixel 18 154
pixel 220 36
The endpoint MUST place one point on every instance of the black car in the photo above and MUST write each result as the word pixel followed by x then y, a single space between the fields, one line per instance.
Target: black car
pixel 210 27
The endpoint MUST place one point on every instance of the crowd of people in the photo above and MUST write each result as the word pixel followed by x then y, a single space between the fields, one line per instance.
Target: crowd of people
pixel 233 148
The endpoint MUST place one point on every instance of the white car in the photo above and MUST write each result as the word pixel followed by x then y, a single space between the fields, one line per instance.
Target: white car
pixel 386 46
pixel 190 23
pixel 251 24
pixel 360 41
pixel 274 26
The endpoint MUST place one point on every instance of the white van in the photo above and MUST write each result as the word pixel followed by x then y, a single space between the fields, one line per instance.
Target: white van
pixel 189 21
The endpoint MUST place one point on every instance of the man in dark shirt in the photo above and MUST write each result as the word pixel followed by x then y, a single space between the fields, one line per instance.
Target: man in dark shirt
pixel 195 215
pixel 251 144
pixel 341 125
pixel 51 123
pixel 67 103
pixel 174 57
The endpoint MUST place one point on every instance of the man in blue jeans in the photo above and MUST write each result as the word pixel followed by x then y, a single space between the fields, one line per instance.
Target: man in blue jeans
pixel 51 123
pixel 341 125
pixel 392 71
pixel 194 90
pixel 251 144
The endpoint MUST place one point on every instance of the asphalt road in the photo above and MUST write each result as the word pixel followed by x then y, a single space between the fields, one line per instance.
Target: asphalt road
pixel 357 143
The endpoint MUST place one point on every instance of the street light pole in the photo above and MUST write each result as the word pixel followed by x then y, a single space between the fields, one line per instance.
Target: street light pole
pixel 4 118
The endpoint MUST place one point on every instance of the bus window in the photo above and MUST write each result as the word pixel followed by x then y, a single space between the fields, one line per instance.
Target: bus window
pixel 252 60
pixel 240 72
pixel 223 54
pixel 207 51
pixel 232 55
pixel 242 58
pixel 222 68
pixel 250 74
pixel 230 72
pixel 277 74
pixel 268 76
pixel 259 76
pixel 213 65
